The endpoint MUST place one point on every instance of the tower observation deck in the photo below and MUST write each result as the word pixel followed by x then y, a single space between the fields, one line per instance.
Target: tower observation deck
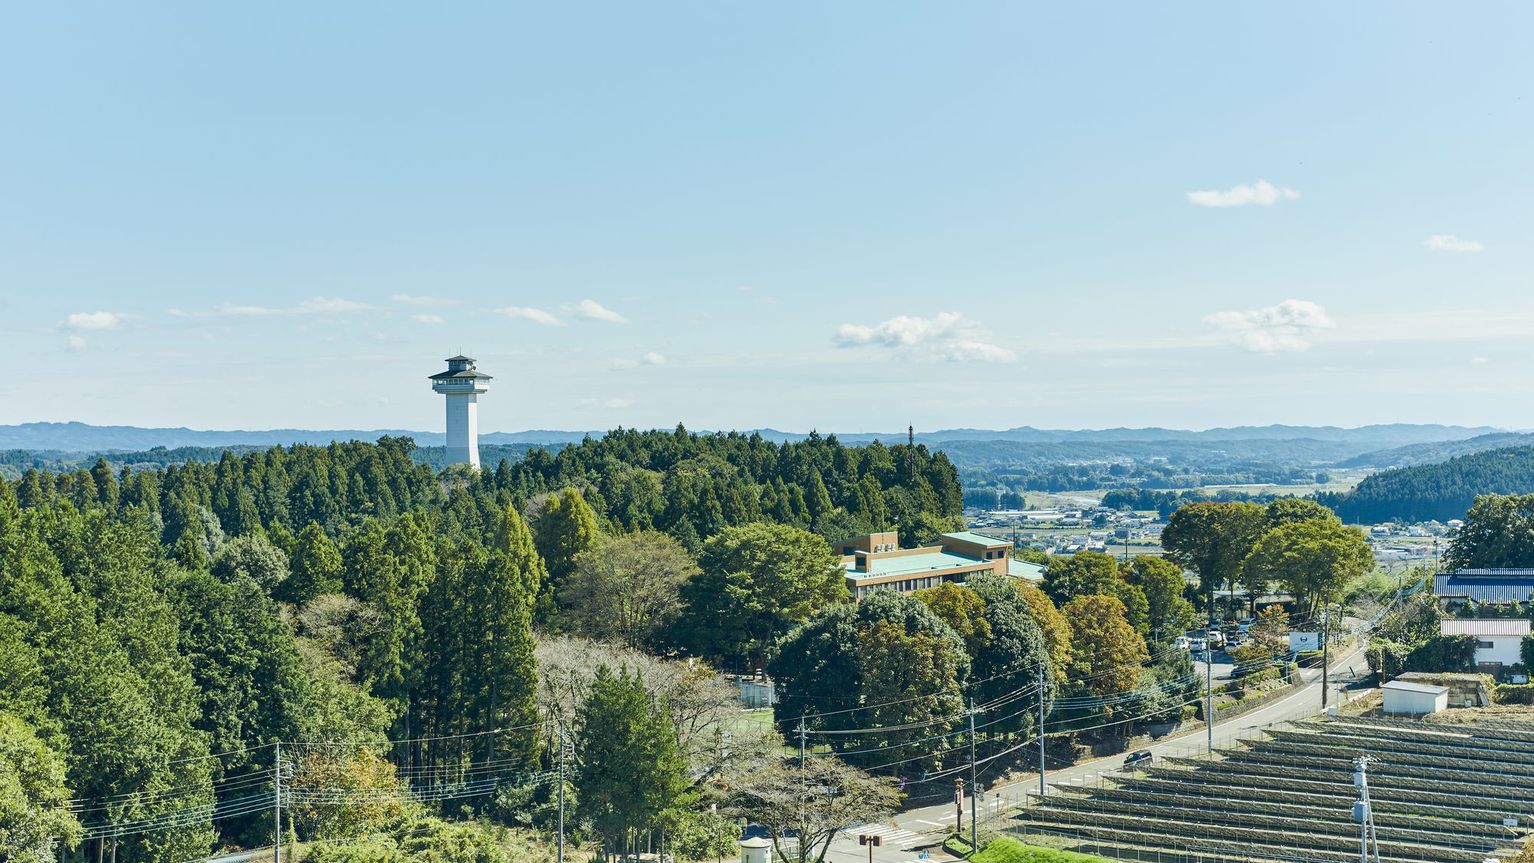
pixel 463 385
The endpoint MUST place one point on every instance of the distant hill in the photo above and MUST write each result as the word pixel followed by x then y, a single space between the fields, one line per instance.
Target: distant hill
pixel 1436 451
pixel 75 437
pixel 1436 491
pixel 1348 443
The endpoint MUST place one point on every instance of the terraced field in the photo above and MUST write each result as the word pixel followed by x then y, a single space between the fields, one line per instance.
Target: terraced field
pixel 1440 793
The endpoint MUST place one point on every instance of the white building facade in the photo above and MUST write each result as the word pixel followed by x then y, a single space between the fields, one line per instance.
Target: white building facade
pixel 1498 641
pixel 462 384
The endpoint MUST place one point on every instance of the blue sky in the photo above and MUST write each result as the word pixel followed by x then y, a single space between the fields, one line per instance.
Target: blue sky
pixel 845 216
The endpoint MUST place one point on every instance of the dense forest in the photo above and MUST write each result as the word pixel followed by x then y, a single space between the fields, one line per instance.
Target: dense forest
pixel 162 630
pixel 1435 491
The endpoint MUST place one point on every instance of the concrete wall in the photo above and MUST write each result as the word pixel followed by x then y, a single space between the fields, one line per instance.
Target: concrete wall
pixel 463 429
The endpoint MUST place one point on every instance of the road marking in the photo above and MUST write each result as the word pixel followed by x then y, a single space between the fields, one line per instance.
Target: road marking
pixel 933 823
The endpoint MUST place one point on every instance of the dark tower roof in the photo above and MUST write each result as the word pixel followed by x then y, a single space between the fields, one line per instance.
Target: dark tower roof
pixel 460 368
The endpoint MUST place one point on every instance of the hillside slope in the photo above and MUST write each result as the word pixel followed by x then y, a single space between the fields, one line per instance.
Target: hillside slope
pixel 1436 491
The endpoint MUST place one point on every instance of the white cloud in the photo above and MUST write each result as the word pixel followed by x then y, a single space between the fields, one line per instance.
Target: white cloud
pixel 651 358
pixel 413 300
pixel 1288 326
pixel 967 350
pixel 947 336
pixel 1262 193
pixel 1451 243
pixel 427 319
pixel 315 306
pixel 592 310
pixel 537 316
pixel 75 343
pixel 1479 361
pixel 94 320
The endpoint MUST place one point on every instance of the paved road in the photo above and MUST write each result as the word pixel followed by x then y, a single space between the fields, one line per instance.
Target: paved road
pixel 921 828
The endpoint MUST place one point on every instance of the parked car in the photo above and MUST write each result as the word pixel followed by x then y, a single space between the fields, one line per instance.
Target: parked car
pixel 1182 642
pixel 1136 760
pixel 1198 645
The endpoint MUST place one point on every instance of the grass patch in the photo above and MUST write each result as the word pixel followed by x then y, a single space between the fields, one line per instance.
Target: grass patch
pixel 1008 850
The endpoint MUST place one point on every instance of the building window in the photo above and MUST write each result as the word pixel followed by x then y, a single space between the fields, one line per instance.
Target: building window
pixel 1484 645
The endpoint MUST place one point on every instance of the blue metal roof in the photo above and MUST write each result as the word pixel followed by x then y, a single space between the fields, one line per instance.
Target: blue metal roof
pixel 1484 588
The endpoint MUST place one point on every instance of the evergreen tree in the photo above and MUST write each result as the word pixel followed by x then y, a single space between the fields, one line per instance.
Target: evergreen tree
pixel 630 765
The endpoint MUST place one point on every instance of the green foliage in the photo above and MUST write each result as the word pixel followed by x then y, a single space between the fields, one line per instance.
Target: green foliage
pixel 1167 612
pixel 627 588
pixel 34 814
pixel 1443 653
pixel 1438 491
pixel 631 768
pixel 1314 560
pixel 565 529
pixel 1498 532
pixel 1086 573
pixel 757 582
pixel 254 557
pixel 1108 651
pixel 316 567
pixel 881 653
pixel 1009 850
pixel 1522 694
pixel 1213 540
pixel 1526 651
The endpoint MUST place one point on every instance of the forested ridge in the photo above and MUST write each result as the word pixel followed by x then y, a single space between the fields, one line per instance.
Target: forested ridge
pixel 1435 491
pixel 162 630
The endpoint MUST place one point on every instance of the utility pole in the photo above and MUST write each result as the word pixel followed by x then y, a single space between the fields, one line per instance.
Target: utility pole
pixel 1041 729
pixel 1363 811
pixel 1326 646
pixel 559 731
pixel 974 786
pixel 1209 690
pixel 802 732
pixel 958 805
pixel 277 802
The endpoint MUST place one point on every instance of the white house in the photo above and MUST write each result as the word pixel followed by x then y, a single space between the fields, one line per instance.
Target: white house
pixel 1497 641
pixel 1414 699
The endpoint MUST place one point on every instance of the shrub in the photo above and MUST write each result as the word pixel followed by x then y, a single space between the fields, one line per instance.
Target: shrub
pixel 1008 850
pixel 1443 653
pixel 1510 694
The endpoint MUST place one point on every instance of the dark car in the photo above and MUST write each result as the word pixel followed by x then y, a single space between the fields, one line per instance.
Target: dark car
pixel 1142 758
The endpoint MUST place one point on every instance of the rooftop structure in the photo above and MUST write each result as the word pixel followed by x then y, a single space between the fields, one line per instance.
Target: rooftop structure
pixel 875 561
pixel 1484 585
pixel 463 384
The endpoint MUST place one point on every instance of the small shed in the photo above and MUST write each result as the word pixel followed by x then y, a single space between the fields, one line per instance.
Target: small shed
pixel 754 850
pixel 1414 699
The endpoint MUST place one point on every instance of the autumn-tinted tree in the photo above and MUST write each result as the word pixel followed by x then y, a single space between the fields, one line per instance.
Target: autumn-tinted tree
pixel 1106 651
pixel 963 610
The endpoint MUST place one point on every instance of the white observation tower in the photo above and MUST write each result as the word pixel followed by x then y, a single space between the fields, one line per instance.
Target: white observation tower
pixel 462 384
